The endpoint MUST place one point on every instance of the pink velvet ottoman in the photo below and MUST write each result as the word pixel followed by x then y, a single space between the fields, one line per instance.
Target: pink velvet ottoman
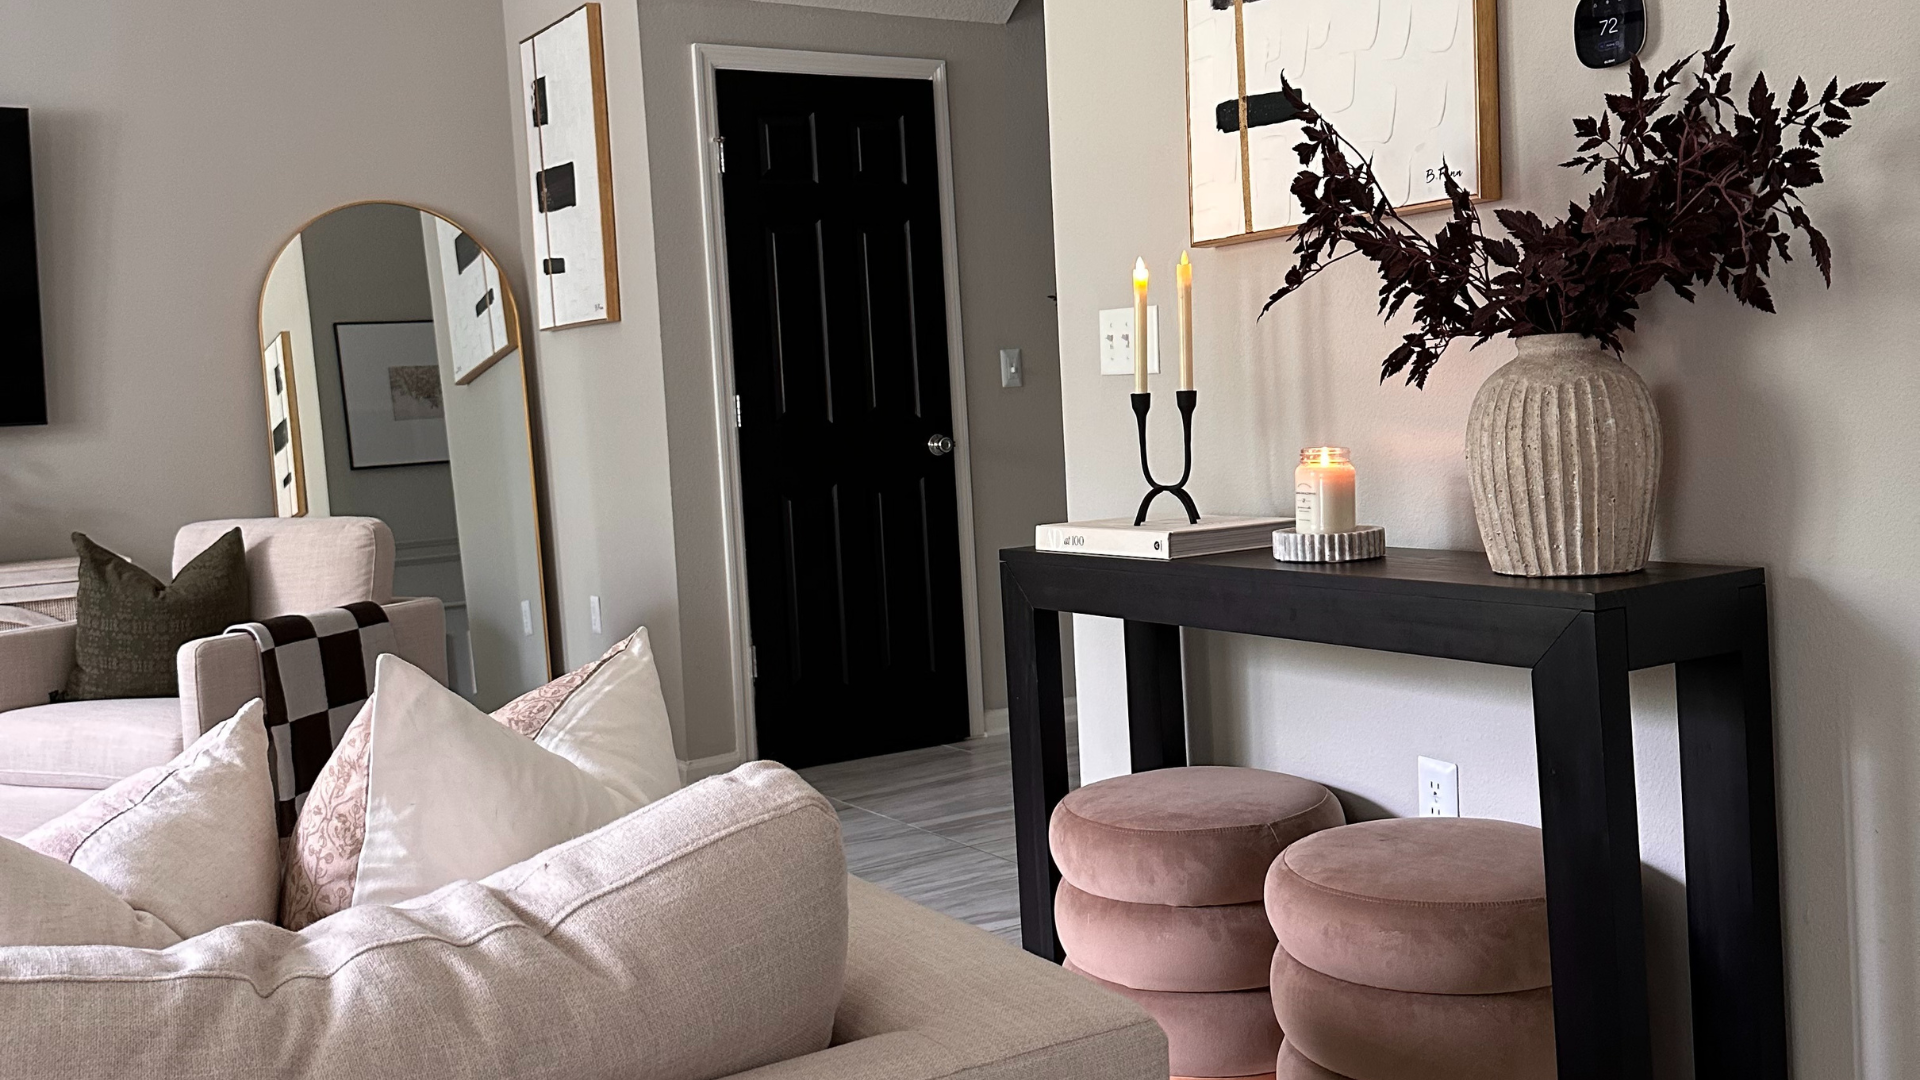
pixel 1413 949
pixel 1162 901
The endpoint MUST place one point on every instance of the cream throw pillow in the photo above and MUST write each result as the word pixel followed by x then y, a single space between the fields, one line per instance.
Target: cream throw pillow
pixel 192 842
pixel 424 789
pixel 47 902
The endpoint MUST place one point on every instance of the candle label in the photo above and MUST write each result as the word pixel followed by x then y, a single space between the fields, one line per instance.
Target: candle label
pixel 1306 508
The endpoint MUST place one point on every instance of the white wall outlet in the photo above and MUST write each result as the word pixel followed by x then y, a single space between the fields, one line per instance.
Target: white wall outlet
pixel 1439 788
pixel 1116 341
pixel 593 612
pixel 1012 369
pixel 526 618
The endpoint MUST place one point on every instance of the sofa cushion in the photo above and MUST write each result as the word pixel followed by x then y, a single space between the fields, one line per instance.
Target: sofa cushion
pixel 699 937
pixel 47 902
pixel 130 626
pixel 87 744
pixel 24 809
pixel 192 841
pixel 296 565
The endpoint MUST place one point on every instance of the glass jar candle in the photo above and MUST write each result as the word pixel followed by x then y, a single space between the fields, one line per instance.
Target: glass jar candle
pixel 1323 491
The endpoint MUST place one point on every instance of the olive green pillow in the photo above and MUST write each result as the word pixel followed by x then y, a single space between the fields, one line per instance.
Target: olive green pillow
pixel 130 626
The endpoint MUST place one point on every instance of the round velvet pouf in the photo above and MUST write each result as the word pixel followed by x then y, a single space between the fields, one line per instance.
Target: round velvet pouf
pixel 1162 901
pixel 1209 1035
pixel 1414 949
pixel 1190 837
pixel 1155 947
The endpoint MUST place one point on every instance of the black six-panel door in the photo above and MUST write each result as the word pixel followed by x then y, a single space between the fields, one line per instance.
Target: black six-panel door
pixel 835 266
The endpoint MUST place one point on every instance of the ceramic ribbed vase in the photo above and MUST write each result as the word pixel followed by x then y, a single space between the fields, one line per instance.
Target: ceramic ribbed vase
pixel 1563 452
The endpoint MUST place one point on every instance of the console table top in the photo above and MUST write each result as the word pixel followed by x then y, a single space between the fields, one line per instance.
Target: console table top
pixel 1439 574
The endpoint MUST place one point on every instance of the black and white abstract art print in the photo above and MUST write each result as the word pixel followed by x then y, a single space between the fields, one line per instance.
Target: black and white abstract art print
pixel 476 304
pixel 283 428
pixel 1403 80
pixel 568 161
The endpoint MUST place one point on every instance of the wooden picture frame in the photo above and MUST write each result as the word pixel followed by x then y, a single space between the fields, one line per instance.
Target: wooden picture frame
pixel 570 169
pixel 1224 209
pixel 284 448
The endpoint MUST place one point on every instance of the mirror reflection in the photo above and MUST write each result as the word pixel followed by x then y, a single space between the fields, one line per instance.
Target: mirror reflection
pixel 396 389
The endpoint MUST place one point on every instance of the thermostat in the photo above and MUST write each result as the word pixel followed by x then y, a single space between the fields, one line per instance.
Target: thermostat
pixel 1607 33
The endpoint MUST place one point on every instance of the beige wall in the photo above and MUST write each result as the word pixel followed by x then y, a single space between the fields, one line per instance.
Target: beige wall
pixel 176 147
pixel 603 425
pixel 997 95
pixel 1790 444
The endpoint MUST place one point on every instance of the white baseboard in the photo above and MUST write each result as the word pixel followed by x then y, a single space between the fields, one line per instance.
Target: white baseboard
pixel 701 768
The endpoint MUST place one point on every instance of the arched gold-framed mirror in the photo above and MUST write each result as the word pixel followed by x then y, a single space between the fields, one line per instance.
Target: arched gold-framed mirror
pixel 397 388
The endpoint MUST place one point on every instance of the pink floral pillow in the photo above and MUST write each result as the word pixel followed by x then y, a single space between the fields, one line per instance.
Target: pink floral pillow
pixel 323 855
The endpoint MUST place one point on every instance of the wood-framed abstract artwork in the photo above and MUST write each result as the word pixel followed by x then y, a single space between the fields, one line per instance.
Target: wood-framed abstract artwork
pixel 283 428
pixel 482 327
pixel 570 164
pixel 1415 84
pixel 390 378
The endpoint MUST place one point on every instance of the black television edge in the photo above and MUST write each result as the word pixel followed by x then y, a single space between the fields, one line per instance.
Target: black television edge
pixel 23 375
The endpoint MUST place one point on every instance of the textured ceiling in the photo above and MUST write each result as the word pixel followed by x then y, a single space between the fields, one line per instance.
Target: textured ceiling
pixel 986 11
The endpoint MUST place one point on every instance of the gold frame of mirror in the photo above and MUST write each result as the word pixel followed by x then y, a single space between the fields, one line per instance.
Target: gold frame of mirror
pixel 515 341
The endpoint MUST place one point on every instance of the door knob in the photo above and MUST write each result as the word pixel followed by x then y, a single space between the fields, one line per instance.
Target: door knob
pixel 940 445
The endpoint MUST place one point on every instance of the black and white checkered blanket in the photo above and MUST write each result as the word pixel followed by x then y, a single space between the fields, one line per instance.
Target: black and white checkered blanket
pixel 317 670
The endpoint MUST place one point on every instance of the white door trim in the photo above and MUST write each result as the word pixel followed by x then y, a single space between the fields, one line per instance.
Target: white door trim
pixel 707 60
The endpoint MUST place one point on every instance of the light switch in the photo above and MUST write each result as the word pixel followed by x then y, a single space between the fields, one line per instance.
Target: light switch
pixel 1012 368
pixel 593 612
pixel 1116 341
pixel 526 618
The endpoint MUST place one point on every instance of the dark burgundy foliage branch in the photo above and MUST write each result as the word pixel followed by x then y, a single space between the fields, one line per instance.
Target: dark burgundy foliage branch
pixel 1702 193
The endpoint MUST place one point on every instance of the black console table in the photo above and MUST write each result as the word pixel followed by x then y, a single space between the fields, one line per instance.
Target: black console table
pixel 1580 638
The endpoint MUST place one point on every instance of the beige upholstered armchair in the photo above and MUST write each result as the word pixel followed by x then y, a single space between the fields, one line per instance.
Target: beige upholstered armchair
pixel 52 757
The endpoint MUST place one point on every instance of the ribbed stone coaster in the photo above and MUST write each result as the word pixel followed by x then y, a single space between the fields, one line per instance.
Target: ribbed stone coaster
pixel 1365 542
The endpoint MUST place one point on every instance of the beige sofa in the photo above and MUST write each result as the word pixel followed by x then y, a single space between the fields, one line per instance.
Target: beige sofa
pixel 52 757
pixel 714 933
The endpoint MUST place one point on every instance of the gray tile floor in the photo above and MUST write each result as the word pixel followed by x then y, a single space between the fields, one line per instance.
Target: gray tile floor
pixel 936 826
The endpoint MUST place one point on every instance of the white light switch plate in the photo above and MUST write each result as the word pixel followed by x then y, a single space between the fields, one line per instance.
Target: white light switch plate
pixel 593 611
pixel 1116 341
pixel 1439 788
pixel 526 618
pixel 1012 369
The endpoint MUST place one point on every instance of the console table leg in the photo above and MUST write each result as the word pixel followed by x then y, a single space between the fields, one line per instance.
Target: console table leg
pixel 1037 723
pixel 1733 861
pixel 1596 925
pixel 1156 697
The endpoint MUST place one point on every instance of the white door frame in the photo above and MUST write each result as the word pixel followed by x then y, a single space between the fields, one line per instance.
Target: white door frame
pixel 707 60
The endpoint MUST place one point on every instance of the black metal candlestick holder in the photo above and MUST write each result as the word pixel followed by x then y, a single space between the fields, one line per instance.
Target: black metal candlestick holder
pixel 1142 404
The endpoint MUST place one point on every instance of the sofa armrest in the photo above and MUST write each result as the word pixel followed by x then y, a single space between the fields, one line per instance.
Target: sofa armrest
pixel 218 675
pixel 930 997
pixel 420 634
pixel 34 662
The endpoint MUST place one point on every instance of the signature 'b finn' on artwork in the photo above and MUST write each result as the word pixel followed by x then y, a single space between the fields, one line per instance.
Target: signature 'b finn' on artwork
pixel 1413 83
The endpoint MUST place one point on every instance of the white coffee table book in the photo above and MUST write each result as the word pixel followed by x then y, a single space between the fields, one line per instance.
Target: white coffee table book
pixel 1169 538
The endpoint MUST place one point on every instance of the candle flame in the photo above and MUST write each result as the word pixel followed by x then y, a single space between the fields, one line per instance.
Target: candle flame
pixel 1140 273
pixel 1185 269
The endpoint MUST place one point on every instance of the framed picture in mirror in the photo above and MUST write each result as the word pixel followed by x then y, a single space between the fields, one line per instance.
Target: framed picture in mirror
pixel 283 428
pixel 570 165
pixel 478 310
pixel 390 378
